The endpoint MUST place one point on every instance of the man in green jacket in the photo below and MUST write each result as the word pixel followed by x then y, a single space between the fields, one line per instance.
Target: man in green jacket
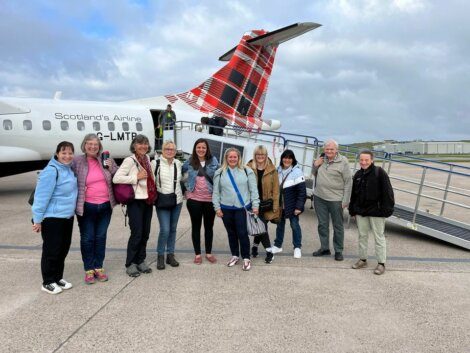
pixel 333 183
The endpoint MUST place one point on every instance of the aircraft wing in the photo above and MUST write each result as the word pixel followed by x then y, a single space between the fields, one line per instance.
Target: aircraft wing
pixel 276 37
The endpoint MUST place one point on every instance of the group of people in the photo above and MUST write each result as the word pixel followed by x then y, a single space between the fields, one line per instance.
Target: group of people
pixel 83 186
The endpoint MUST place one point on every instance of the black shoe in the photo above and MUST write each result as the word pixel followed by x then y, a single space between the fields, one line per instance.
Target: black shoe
pixel 160 262
pixel 339 256
pixel 269 257
pixel 170 260
pixel 321 252
pixel 254 251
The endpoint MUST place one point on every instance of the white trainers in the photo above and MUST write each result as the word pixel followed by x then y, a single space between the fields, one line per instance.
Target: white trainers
pixel 63 284
pixel 51 288
pixel 297 253
pixel 233 261
pixel 275 249
pixel 246 265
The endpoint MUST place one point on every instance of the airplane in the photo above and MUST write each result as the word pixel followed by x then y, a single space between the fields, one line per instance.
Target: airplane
pixel 30 128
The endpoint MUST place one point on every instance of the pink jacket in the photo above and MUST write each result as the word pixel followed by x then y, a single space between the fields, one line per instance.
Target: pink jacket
pixel 80 167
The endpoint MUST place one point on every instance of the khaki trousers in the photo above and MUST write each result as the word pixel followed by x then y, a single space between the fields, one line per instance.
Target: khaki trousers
pixel 377 226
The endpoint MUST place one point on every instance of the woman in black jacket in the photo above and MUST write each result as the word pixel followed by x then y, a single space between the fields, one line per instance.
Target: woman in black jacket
pixel 372 201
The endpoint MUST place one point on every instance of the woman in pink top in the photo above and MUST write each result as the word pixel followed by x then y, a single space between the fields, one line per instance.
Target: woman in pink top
pixel 94 205
pixel 201 167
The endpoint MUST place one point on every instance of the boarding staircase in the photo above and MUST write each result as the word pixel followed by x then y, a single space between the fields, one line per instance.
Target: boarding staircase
pixel 432 197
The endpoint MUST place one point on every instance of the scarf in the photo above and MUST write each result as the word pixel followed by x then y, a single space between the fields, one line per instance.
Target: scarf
pixel 151 187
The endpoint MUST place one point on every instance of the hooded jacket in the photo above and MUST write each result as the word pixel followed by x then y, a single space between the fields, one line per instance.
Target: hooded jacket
pixel 270 188
pixel 56 192
pixel 372 193
pixel 293 190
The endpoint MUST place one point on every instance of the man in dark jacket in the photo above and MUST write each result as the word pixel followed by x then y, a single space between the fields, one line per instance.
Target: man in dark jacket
pixel 372 201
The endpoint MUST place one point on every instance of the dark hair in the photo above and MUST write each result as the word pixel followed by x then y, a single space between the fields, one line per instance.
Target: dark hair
pixel 64 145
pixel 289 154
pixel 195 158
pixel 369 152
pixel 139 139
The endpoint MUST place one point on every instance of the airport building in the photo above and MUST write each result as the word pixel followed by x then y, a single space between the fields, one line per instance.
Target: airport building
pixel 424 147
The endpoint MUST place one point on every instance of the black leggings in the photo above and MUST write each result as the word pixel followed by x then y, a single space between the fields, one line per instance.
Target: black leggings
pixel 197 211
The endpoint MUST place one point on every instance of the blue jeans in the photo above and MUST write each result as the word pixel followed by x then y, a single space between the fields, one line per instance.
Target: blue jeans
pixel 296 232
pixel 168 219
pixel 93 231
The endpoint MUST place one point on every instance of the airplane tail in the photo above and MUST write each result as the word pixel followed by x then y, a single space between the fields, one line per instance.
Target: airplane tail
pixel 238 90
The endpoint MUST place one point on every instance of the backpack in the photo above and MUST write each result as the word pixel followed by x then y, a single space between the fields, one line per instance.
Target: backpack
pixel 31 197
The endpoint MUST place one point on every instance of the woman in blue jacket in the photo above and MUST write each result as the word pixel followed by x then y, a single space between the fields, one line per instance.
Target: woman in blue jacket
pixel 292 198
pixel 53 209
pixel 201 167
pixel 231 205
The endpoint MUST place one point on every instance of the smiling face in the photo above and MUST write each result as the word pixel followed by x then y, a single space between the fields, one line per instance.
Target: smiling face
pixel 365 160
pixel 330 151
pixel 92 148
pixel 201 151
pixel 260 159
pixel 169 151
pixel 65 155
pixel 287 162
pixel 141 148
pixel 232 159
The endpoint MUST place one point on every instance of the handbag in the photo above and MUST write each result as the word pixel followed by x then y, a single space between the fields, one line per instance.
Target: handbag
pixel 266 205
pixel 255 226
pixel 125 193
pixel 166 200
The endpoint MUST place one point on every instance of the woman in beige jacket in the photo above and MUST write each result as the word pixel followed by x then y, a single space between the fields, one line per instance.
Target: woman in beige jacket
pixel 137 171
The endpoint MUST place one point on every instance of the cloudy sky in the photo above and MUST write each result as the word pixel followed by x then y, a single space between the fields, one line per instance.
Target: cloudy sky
pixel 376 69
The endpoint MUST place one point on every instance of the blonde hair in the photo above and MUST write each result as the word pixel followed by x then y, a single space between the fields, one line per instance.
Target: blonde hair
pixel 225 164
pixel 168 142
pixel 260 149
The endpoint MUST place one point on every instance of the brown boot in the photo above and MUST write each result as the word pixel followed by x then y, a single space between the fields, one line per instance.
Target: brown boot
pixel 170 260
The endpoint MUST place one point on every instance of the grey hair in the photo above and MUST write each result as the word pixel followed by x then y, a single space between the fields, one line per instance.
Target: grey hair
pixel 89 137
pixel 331 142
pixel 140 139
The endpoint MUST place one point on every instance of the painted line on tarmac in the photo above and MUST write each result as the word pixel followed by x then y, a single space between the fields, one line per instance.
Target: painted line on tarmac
pixel 222 252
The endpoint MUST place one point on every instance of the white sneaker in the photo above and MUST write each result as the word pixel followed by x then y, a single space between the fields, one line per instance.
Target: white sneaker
pixel 297 253
pixel 52 288
pixel 246 265
pixel 63 284
pixel 275 249
pixel 233 261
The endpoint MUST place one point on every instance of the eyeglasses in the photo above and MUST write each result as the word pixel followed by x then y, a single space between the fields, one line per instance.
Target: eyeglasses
pixel 287 157
pixel 168 149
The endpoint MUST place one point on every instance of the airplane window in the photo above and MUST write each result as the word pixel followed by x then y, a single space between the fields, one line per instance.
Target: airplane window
pixel 64 125
pixel 96 126
pixel 138 126
pixel 27 124
pixel 125 126
pixel 80 125
pixel 46 124
pixel 111 126
pixel 7 124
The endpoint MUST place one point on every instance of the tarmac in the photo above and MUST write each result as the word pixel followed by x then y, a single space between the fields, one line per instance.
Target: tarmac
pixel 420 304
